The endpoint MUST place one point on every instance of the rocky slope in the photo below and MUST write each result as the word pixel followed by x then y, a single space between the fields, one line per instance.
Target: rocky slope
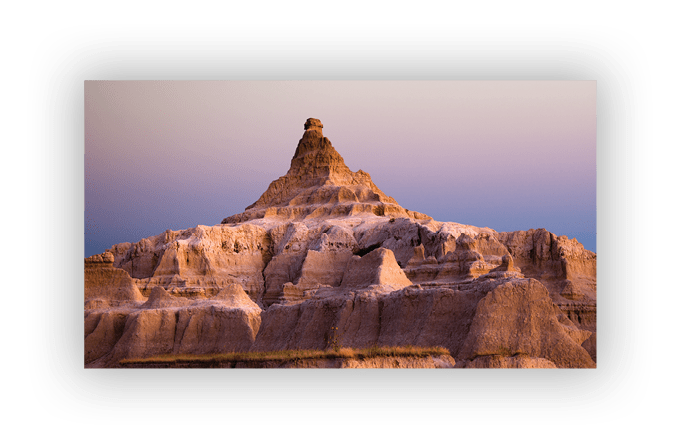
pixel 325 255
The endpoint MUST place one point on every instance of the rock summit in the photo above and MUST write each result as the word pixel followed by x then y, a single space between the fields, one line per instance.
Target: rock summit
pixel 319 184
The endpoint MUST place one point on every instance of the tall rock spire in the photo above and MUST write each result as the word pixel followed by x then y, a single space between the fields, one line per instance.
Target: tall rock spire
pixel 319 184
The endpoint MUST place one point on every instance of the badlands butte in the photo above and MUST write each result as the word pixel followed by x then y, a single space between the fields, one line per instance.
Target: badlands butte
pixel 324 259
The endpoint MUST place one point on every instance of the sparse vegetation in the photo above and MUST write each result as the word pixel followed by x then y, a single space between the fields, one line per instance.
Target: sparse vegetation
pixel 294 355
pixel 503 352
pixel 332 340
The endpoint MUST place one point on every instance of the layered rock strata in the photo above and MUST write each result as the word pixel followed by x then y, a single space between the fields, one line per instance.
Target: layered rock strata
pixel 167 324
pixel 324 248
pixel 107 286
pixel 319 184
pixel 506 317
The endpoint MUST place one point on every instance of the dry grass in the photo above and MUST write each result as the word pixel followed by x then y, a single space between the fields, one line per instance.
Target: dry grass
pixel 293 355
pixel 500 351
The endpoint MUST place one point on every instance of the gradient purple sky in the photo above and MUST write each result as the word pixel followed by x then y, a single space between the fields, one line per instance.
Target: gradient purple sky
pixel 509 155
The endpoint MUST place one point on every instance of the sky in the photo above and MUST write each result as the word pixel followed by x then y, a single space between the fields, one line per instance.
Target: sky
pixel 509 155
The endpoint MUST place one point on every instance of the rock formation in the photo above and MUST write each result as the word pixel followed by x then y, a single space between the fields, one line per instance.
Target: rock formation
pixel 106 285
pixel 319 184
pixel 325 255
pixel 166 324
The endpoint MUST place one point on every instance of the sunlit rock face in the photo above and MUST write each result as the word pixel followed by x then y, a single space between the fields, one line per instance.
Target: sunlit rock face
pixel 325 257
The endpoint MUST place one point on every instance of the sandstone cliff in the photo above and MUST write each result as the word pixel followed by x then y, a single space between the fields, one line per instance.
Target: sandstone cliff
pixel 324 248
